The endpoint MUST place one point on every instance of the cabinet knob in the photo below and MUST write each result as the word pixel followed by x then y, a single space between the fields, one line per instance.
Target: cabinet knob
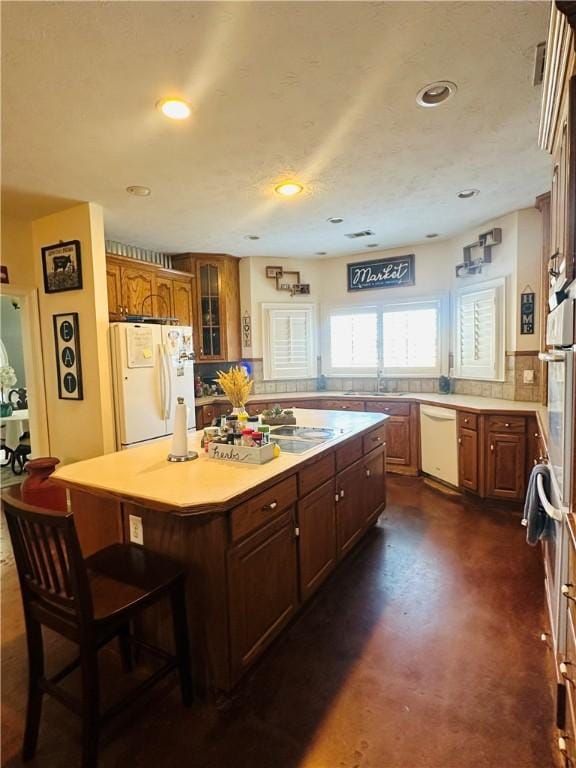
pixel 565 589
pixel 344 407
pixel 563 667
pixel 376 439
pixel 459 441
pixel 492 447
pixel 368 473
pixel 272 505
pixel 466 421
pixel 562 744
pixel 337 498
pixel 342 493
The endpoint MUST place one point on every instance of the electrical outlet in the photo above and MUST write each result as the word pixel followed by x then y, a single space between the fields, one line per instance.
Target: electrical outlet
pixel 528 377
pixel 136 530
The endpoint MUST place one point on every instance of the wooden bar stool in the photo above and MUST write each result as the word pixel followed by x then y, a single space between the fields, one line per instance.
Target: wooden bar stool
pixel 90 602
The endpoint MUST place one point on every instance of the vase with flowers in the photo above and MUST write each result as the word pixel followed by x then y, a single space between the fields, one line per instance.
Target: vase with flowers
pixel 7 380
pixel 237 386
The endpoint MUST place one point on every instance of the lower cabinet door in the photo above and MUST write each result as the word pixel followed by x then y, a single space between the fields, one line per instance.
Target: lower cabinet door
pixel 350 513
pixel 505 466
pixel 374 485
pixel 398 440
pixel 317 541
pixel 263 590
pixel 468 459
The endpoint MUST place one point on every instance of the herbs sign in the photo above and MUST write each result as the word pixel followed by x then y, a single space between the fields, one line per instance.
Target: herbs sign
pixel 381 273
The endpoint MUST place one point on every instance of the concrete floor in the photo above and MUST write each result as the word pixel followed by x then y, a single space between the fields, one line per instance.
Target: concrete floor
pixel 423 651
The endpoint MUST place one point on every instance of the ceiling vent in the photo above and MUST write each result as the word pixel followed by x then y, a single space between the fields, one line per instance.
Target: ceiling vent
pixel 539 61
pixel 364 233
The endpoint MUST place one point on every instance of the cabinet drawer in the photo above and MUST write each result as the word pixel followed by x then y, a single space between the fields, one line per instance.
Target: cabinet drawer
pixel 506 423
pixel 374 439
pixel 262 508
pixel 393 408
pixel 468 420
pixel 208 413
pixel 350 452
pixel 343 405
pixel 314 475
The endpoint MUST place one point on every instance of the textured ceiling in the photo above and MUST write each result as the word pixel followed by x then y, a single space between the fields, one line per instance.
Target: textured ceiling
pixel 320 91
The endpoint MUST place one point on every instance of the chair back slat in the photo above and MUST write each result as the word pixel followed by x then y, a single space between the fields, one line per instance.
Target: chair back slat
pixel 48 558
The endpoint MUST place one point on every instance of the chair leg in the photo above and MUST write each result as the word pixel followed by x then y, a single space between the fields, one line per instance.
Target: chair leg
pixel 35 693
pixel 181 641
pixel 90 704
pixel 125 647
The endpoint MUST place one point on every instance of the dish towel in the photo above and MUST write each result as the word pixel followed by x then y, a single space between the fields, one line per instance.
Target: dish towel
pixel 538 524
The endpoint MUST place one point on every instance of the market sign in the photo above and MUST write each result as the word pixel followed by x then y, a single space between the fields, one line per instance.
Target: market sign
pixel 381 273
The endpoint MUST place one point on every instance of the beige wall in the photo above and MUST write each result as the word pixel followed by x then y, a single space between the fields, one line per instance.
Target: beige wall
pixel 85 428
pixel 516 259
pixel 17 251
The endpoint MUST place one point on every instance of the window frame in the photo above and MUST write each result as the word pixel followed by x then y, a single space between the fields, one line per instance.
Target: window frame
pixel 440 302
pixel 497 370
pixel 310 310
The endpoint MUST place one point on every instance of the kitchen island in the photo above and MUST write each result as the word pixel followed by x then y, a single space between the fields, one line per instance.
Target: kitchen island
pixel 258 540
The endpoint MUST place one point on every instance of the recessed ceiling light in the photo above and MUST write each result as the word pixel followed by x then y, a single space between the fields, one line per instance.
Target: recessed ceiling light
pixel 321 253
pixel 335 220
pixel 432 234
pixel 251 237
pixel 138 191
pixel 464 194
pixel 175 109
pixel 373 245
pixel 434 94
pixel 288 188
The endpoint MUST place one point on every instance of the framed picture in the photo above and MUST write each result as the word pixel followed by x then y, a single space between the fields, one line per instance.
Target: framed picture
pixel 286 281
pixel 273 271
pixel 62 267
pixel 68 364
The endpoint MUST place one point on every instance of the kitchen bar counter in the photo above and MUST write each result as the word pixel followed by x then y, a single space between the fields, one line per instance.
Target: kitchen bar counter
pixel 257 540
pixel 143 474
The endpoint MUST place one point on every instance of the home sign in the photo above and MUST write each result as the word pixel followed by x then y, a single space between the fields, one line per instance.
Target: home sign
pixel 381 273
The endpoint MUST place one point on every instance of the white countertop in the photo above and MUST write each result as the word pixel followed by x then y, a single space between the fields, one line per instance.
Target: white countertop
pixel 143 474
pixel 469 402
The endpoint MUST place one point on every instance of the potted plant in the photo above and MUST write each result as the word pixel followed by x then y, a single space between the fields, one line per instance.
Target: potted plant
pixel 7 380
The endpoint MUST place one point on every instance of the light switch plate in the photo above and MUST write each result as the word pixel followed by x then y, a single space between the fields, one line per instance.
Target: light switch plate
pixel 528 377
pixel 136 529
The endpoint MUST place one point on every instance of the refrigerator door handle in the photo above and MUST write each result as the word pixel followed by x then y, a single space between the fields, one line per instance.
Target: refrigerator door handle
pixel 162 383
pixel 168 369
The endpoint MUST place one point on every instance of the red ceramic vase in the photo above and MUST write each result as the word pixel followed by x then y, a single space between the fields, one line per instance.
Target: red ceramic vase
pixel 39 489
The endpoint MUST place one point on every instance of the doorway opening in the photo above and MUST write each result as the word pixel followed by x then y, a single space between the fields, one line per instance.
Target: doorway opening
pixel 23 427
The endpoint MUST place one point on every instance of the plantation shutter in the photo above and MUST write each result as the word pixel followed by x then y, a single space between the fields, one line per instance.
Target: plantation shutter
pixel 477 320
pixel 353 341
pixel 410 339
pixel 290 353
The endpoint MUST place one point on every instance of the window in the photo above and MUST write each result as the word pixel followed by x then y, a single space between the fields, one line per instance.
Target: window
pixel 479 347
pixel 354 340
pixel 399 339
pixel 288 344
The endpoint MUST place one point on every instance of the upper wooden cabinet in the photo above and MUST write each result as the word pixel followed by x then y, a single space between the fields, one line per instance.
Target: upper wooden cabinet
pixel 216 304
pixel 558 136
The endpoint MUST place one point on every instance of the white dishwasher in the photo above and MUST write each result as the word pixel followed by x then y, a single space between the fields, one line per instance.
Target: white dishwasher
pixel 438 441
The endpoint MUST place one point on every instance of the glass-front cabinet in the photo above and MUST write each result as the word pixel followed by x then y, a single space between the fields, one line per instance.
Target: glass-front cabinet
pixel 210 310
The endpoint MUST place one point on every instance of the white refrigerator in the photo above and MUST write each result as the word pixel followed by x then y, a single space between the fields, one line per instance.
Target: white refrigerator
pixel 152 365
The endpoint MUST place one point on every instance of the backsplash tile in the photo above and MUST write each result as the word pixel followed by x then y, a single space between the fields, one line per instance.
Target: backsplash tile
pixel 513 388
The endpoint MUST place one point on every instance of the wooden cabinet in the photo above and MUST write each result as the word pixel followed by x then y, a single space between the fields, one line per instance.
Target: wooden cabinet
pixel 140 288
pixel 317 539
pixel 402 434
pixel 182 301
pixel 114 290
pixel 262 589
pixel 137 290
pixel 342 405
pixel 505 465
pixel 468 469
pixel 468 459
pixel 216 304
pixel 350 511
pixel 374 485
